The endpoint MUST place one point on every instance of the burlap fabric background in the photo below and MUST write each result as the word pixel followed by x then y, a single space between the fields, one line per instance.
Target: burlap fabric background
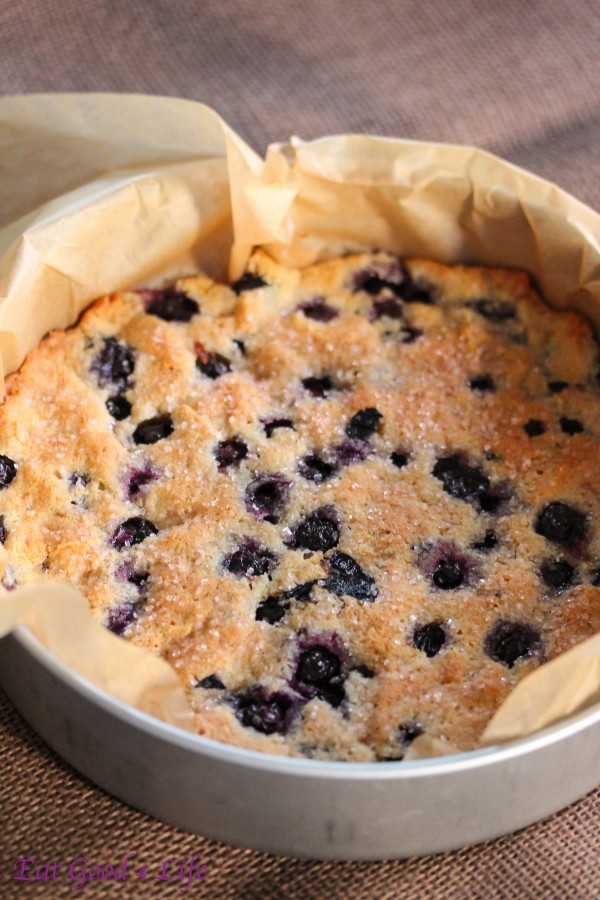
pixel 519 78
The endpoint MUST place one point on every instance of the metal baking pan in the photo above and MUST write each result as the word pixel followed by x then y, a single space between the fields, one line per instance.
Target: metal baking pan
pixel 322 810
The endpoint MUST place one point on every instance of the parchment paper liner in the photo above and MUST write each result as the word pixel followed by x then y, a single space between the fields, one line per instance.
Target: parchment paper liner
pixel 104 192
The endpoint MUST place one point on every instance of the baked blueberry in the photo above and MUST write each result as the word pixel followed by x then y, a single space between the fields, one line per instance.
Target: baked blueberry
pixel 249 281
pixel 347 578
pixel 399 458
pixel 132 531
pixel 114 364
pixel 482 383
pixel 140 580
pixel 271 425
pixel 321 670
pixel 172 305
pixel 557 387
pixel 152 430
pixel 534 427
pixel 493 310
pixel 409 334
pixel 230 452
pixel 364 671
pixel 274 608
pixel 557 573
pixel 318 310
pixel 507 642
pixel 250 559
pixel 211 683
pixel 413 291
pixel 122 615
pixel 570 426
pixel 363 424
pixel 389 307
pixel 487 543
pixel 268 713
pixel 138 479
pixel 119 407
pixel 266 496
pixel 350 451
pixel 561 524
pixel 3 530
pixel 449 573
pixel 314 468
pixel 374 281
pixel 212 365
pixel 460 479
pixel 319 530
pixel 317 666
pixel 318 386
pixel 430 638
pixel 408 732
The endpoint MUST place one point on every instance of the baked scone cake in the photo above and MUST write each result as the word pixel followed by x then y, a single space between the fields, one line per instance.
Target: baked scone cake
pixel 350 504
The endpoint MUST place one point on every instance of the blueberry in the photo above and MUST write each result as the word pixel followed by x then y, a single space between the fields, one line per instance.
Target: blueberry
pixel 211 683
pixel 488 542
pixel 318 310
pixel 429 639
pixel 399 459
pixel 493 310
pixel 319 673
pixel 3 530
pixel 122 616
pixel 364 671
pixel 346 577
pixel 8 470
pixel 114 364
pixel 172 305
pixel 119 407
pixel 318 386
pixel 213 365
pixel 266 496
pixel 250 559
pixel 372 283
pixel 460 479
pixel 274 608
pixel 319 530
pixel 138 479
pixel 141 580
pixel 570 426
pixel 560 523
pixel 410 335
pixel 230 452
pixel 271 425
pixel 132 531
pixel 315 469
pixel 249 281
pixel 389 307
pixel 408 732
pixel 509 641
pixel 363 424
pixel 268 713
pixel 557 387
pixel 534 427
pixel 349 452
pixel 448 574
pixel 557 573
pixel 416 292
pixel 152 430
pixel 483 383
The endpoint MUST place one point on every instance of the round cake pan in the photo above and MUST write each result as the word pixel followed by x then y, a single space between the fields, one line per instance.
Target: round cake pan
pixel 321 810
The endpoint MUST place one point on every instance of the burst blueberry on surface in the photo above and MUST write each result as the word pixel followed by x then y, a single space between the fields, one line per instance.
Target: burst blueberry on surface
pixel 557 387
pixel 212 365
pixel 318 386
pixel 408 732
pixel 429 638
pixel 466 482
pixel 274 608
pixel 363 424
pixel 448 574
pixel 399 459
pixel 319 530
pixel 114 364
pixel 132 531
pixel 122 615
pixel 318 310
pixel 557 573
pixel 314 468
pixel 250 559
pixel 230 452
pixel 172 305
pixel 138 479
pixel 388 307
pixel 409 335
pixel 350 451
pixel 153 430
pixel 493 310
pixel 561 524
pixel 249 281
pixel 118 407
pixel 508 642
pixel 271 425
pixel 266 496
pixel 482 383
pixel 487 543
pixel 570 426
pixel 265 712
pixel 347 578
pixel 534 427
pixel 211 683
pixel 364 671
pixel 321 669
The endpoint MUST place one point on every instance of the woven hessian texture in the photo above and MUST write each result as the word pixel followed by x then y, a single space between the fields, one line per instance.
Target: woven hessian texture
pixel 520 79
